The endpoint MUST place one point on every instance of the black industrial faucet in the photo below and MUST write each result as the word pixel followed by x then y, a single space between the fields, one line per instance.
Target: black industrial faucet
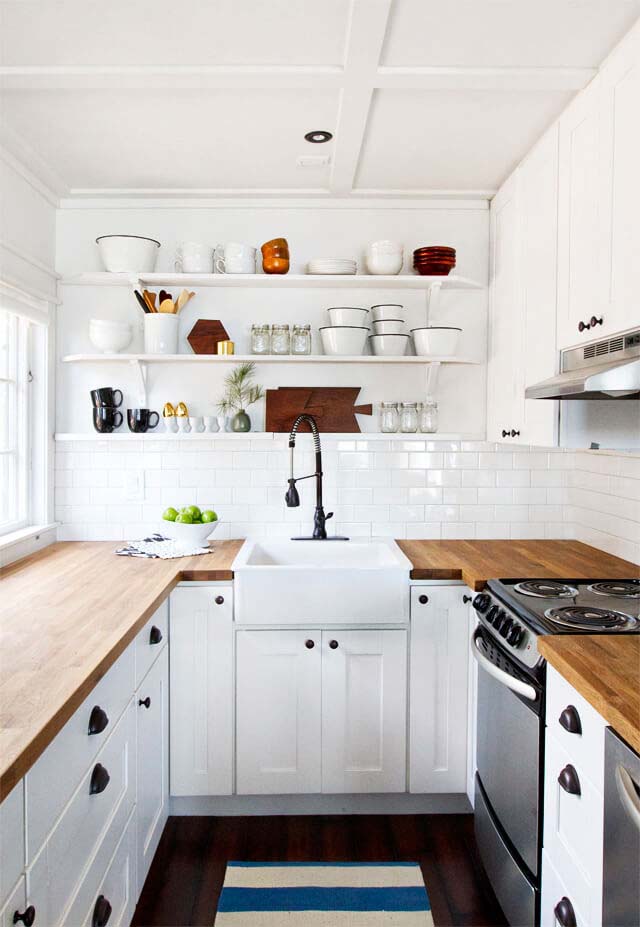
pixel 293 499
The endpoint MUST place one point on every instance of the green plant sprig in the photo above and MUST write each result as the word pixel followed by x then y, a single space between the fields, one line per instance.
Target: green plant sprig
pixel 240 393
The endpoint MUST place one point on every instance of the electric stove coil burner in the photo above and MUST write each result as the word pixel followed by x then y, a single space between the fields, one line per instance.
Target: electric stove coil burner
pixel 588 618
pixel 546 589
pixel 623 589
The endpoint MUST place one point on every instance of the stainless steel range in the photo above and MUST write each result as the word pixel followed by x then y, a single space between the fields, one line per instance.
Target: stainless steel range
pixel 512 615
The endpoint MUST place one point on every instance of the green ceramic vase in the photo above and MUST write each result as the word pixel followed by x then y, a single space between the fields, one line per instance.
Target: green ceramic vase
pixel 241 421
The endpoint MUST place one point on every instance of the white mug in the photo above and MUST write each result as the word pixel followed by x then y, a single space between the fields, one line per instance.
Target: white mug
pixel 195 422
pixel 192 257
pixel 211 423
pixel 235 258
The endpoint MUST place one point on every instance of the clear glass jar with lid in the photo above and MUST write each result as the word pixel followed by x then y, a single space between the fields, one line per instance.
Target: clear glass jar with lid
pixel 388 417
pixel 260 339
pixel 408 417
pixel 280 339
pixel 428 415
pixel 301 339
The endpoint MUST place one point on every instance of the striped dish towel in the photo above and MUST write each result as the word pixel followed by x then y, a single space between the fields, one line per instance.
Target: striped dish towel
pixel 323 895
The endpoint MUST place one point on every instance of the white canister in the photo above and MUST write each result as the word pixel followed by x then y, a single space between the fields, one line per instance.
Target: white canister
pixel 192 257
pixel 160 333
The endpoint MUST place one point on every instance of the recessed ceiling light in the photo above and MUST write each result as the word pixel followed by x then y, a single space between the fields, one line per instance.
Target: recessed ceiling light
pixel 318 136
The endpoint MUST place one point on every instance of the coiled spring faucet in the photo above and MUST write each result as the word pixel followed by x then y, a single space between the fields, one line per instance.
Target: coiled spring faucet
pixel 292 497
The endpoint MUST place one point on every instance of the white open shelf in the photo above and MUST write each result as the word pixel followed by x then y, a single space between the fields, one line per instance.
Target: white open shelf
pixel 160 435
pixel 260 359
pixel 276 281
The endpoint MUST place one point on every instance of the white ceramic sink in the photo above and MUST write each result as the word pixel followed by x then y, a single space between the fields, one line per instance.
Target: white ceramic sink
pixel 289 582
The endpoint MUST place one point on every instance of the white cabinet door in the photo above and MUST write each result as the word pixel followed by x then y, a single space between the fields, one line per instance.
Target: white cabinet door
pixel 438 689
pixel 201 708
pixel 504 405
pixel 12 858
pixel 580 290
pixel 152 707
pixel 620 188
pixel 278 683
pixel 536 356
pixel 364 692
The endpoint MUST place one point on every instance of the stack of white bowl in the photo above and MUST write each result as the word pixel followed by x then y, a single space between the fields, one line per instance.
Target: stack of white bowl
pixel 332 266
pixel 346 332
pixel 389 338
pixel 110 336
pixel 384 257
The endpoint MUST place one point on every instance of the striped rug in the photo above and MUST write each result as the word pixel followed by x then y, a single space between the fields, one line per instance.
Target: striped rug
pixel 323 895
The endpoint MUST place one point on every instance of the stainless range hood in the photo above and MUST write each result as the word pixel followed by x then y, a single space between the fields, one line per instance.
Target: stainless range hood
pixel 608 369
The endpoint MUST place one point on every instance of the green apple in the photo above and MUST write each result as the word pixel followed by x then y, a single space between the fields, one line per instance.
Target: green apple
pixel 208 516
pixel 192 510
pixel 185 518
pixel 170 514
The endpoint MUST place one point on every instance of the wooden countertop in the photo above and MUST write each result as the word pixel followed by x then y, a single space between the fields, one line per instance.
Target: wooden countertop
pixel 605 670
pixel 474 562
pixel 70 610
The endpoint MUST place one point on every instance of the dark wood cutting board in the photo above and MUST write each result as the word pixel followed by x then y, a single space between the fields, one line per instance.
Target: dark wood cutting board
pixel 333 407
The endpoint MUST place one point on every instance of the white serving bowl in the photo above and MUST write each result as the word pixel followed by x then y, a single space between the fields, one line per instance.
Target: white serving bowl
pixel 389 345
pixel 384 311
pixel 385 246
pixel 442 340
pixel 129 254
pixel 347 315
pixel 389 327
pixel 110 337
pixel 343 339
pixel 189 535
pixel 379 262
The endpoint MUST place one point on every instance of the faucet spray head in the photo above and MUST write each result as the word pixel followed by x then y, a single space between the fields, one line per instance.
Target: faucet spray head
pixel 292 497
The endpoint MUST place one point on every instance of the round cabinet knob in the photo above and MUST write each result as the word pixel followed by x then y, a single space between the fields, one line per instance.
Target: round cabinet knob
pixel 101 912
pixel 570 720
pixel 99 779
pixel 309 644
pixel 27 917
pixel 219 600
pixel 514 433
pixel 481 602
pixel 155 635
pixel 466 599
pixel 333 645
pixel 593 321
pixel 145 701
pixel 565 915
pixel 98 720
pixel 583 326
pixel 423 599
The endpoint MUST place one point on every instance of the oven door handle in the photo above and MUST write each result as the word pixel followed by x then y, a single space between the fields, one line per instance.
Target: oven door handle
pixel 628 794
pixel 516 685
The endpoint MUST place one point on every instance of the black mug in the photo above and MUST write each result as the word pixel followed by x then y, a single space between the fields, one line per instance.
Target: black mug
pixel 106 398
pixel 106 419
pixel 140 420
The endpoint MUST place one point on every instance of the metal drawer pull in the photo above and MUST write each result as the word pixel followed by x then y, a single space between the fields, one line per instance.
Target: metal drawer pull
pixel 219 600
pixel 333 645
pixel 98 720
pixel 516 685
pixel 101 912
pixel 423 599
pixel 309 644
pixel 27 917
pixel 565 914
pixel 569 780
pixel 99 779
pixel 570 720
pixel 155 635
pixel 628 792
pixel 145 701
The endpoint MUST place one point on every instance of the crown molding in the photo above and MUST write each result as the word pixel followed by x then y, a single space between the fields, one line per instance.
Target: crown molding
pixel 26 162
pixel 275 199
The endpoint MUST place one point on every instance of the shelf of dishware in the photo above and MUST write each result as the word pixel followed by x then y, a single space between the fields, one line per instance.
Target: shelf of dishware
pixel 160 435
pixel 276 281
pixel 264 359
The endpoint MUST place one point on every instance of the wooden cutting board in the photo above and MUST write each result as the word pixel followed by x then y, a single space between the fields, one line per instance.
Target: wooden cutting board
pixel 333 408
pixel 205 335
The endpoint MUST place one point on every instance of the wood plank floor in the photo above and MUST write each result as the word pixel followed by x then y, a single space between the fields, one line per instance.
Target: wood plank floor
pixel 186 876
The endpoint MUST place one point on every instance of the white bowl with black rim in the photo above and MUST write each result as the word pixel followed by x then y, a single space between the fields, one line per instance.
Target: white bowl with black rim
pixel 436 339
pixel 348 315
pixel 389 327
pixel 389 345
pixel 128 254
pixel 386 311
pixel 343 339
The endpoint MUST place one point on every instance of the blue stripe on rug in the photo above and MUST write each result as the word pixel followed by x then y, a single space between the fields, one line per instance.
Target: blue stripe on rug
pixel 361 865
pixel 309 898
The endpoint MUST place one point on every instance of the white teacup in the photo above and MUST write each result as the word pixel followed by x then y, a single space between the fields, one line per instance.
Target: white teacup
pixel 195 423
pixel 235 258
pixel 170 424
pixel 192 257
pixel 211 423
pixel 183 424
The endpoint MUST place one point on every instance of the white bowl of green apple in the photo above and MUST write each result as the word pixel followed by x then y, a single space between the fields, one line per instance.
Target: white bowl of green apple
pixel 190 524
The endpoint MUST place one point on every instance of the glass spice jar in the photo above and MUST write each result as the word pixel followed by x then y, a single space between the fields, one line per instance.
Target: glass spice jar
pixel 280 339
pixel 408 417
pixel 388 417
pixel 260 339
pixel 428 416
pixel 301 339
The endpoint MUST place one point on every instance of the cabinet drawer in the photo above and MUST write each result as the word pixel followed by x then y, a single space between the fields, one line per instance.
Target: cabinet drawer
pixel 11 839
pixel 89 824
pixel 586 749
pixel 555 892
pixel 573 827
pixel 52 780
pixel 151 640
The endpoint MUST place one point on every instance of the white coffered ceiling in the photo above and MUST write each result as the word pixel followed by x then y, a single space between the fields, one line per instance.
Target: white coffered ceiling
pixel 152 98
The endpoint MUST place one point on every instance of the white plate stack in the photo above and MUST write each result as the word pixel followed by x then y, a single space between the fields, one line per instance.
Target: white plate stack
pixel 340 266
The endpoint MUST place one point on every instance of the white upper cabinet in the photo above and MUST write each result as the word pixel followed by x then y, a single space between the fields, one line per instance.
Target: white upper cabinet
pixel 620 188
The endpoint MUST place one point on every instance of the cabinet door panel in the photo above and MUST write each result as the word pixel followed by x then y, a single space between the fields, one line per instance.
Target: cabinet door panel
pixel 278 683
pixel 364 683
pixel 201 705
pixel 153 762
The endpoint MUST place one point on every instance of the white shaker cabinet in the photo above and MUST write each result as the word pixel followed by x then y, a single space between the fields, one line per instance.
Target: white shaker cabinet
pixel 438 690
pixel 364 699
pixel 201 679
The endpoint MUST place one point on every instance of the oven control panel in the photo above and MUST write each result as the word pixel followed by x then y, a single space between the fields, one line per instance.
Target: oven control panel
pixel 508 629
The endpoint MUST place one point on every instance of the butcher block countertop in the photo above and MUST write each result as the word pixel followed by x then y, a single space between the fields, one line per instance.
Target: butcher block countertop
pixel 605 670
pixel 71 609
